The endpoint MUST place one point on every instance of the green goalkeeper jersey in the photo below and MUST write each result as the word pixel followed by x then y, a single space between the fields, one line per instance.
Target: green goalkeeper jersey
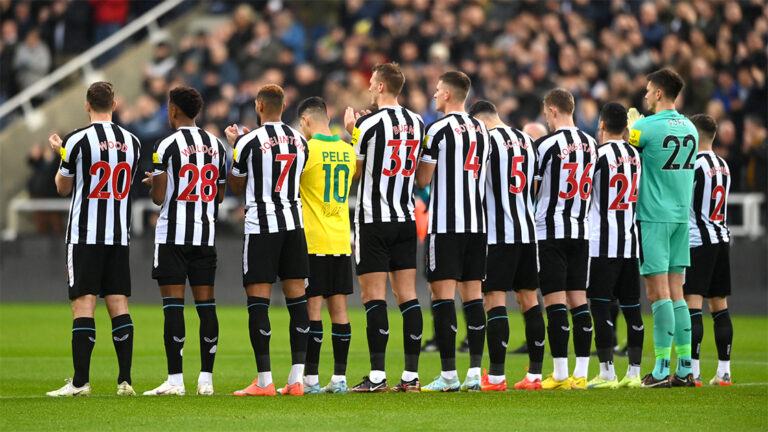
pixel 668 143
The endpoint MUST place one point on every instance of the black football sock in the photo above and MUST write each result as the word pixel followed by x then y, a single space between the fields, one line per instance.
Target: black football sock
pixel 534 338
pixel 582 330
pixel 697 332
pixel 341 334
pixel 635 330
pixel 558 330
pixel 498 337
pixel 444 313
pixel 260 331
pixel 413 325
pixel 174 333
pixel 83 339
pixel 377 330
pixel 299 322
pixel 314 344
pixel 614 317
pixel 723 334
pixel 604 325
pixel 475 317
pixel 122 338
pixel 209 333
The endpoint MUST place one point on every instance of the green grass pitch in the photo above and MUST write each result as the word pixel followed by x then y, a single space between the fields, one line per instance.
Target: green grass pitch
pixel 35 358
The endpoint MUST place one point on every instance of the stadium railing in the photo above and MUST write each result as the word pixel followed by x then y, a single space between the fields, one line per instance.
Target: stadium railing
pixel 84 62
pixel 749 203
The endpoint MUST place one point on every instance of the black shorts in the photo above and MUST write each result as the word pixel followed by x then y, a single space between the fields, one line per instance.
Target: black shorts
pixel 385 246
pixel 511 267
pixel 614 278
pixel 267 256
pixel 329 275
pixel 98 269
pixel 174 264
pixel 563 265
pixel 460 257
pixel 710 272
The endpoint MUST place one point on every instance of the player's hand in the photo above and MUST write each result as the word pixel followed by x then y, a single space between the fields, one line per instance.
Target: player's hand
pixel 633 115
pixel 232 133
pixel 55 142
pixel 148 179
pixel 349 119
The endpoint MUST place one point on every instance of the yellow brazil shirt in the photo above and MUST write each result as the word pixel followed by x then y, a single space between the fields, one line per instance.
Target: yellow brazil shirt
pixel 324 190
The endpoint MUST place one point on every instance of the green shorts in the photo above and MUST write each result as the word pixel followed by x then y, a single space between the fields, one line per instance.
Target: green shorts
pixel 664 247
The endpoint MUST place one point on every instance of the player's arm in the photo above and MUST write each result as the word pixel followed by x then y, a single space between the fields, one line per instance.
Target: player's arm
pixel 236 180
pixel 358 169
pixel 428 161
pixel 65 178
pixel 424 174
pixel 157 183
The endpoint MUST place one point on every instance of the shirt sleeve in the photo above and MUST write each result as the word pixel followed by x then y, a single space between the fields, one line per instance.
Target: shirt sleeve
pixel 222 163
pixel 357 143
pixel 160 158
pixel 541 161
pixel 240 157
pixel 431 145
pixel 635 135
pixel 69 152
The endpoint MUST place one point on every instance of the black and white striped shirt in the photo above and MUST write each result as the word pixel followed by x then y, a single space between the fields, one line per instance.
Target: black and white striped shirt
pixel 711 185
pixel 567 160
pixel 614 200
pixel 459 145
pixel 196 164
pixel 273 158
pixel 509 187
pixel 103 159
pixel 388 142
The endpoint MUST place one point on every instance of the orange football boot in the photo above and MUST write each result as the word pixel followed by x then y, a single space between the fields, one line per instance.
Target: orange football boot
pixel 255 390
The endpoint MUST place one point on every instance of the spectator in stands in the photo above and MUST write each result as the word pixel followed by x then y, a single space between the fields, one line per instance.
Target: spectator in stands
pixel 162 63
pixel 45 165
pixel 32 60
pixel 66 30
pixel 756 151
pixel 108 17
pixel 8 45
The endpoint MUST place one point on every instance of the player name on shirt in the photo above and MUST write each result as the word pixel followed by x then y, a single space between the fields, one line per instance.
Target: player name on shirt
pixel 387 141
pixel 613 233
pixel 711 185
pixel 102 157
pixel 459 146
pixel 509 192
pixel 273 158
pixel 566 165
pixel 196 164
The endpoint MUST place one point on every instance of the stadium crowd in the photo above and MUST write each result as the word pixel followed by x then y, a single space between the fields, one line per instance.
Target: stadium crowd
pixel 514 52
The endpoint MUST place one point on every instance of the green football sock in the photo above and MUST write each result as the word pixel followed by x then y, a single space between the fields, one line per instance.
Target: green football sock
pixel 682 338
pixel 663 331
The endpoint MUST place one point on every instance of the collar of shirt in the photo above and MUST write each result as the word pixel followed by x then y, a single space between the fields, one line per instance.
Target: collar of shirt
pixel 329 138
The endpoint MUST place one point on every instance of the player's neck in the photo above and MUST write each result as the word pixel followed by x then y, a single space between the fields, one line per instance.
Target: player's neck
pixel 320 130
pixel 386 100
pixel 563 123
pixel 271 118
pixel 454 107
pixel 491 124
pixel 664 106
pixel 705 147
pixel 181 124
pixel 611 137
pixel 100 117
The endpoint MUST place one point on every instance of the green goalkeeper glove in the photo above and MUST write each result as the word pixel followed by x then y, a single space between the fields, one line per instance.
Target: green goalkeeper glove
pixel 633 115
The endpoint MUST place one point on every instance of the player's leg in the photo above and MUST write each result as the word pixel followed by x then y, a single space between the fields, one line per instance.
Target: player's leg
pixel 495 303
pixel 679 259
pixel 259 272
pixel 314 342
pixel 84 270
pixel 116 288
pixel 341 335
pixel 404 287
pixel 170 271
pixel 402 277
pixel 202 274
pixel 695 302
pixel 208 333
pixel 654 265
pixel 373 262
pixel 535 334
pixel 603 276
pixel 628 292
pixel 474 313
pixel 718 305
pixel 552 277
pixel 443 293
pixel 696 284
pixel 576 298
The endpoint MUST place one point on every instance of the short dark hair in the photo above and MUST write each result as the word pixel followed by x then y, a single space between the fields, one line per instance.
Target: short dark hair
pixel 482 107
pixel 614 116
pixel 669 81
pixel 459 81
pixel 705 124
pixel 561 99
pixel 272 95
pixel 101 96
pixel 391 75
pixel 188 100
pixel 314 104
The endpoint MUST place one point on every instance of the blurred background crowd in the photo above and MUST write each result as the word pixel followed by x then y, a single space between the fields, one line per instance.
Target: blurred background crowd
pixel 514 52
